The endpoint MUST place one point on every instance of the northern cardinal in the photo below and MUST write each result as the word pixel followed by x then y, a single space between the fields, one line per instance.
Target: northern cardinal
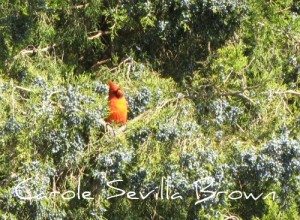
pixel 117 103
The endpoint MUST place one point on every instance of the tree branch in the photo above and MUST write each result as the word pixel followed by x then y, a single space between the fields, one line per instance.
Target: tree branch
pixel 34 50
pixel 80 6
pixel 99 63
pixel 24 89
pixel 291 92
pixel 239 94
pixel 98 34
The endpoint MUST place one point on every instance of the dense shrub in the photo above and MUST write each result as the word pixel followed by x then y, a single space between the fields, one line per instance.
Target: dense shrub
pixel 163 33
pixel 225 122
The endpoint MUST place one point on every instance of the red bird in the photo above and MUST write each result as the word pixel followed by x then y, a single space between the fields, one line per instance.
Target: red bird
pixel 117 103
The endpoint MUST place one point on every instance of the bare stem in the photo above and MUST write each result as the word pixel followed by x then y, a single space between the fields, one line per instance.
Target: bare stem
pixel 98 34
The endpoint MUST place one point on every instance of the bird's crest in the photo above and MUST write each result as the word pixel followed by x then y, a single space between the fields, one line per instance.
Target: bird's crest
pixel 113 86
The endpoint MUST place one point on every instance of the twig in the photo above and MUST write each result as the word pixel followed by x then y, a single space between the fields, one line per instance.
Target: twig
pixel 249 64
pixel 208 47
pixel 240 128
pixel 286 106
pixel 228 77
pixel 12 98
pixel 99 63
pixel 22 88
pixel 242 95
pixel 98 34
pixel 239 94
pixel 231 217
pixel 80 6
pixel 283 10
pixel 292 92
pixel 35 50
pixel 127 60
pixel 236 92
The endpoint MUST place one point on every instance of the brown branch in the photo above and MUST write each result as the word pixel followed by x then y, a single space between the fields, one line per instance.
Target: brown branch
pixel 286 92
pixel 98 34
pixel 249 64
pixel 243 96
pixel 34 50
pixel 80 6
pixel 292 92
pixel 239 94
pixel 231 217
pixel 99 63
pixel 22 88
pixel 283 10
pixel 127 60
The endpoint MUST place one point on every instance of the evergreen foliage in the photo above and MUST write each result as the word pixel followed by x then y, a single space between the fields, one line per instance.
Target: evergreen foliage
pixel 213 94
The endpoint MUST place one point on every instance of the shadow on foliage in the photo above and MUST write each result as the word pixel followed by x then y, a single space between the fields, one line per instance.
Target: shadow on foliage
pixel 170 35
pixel 178 34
